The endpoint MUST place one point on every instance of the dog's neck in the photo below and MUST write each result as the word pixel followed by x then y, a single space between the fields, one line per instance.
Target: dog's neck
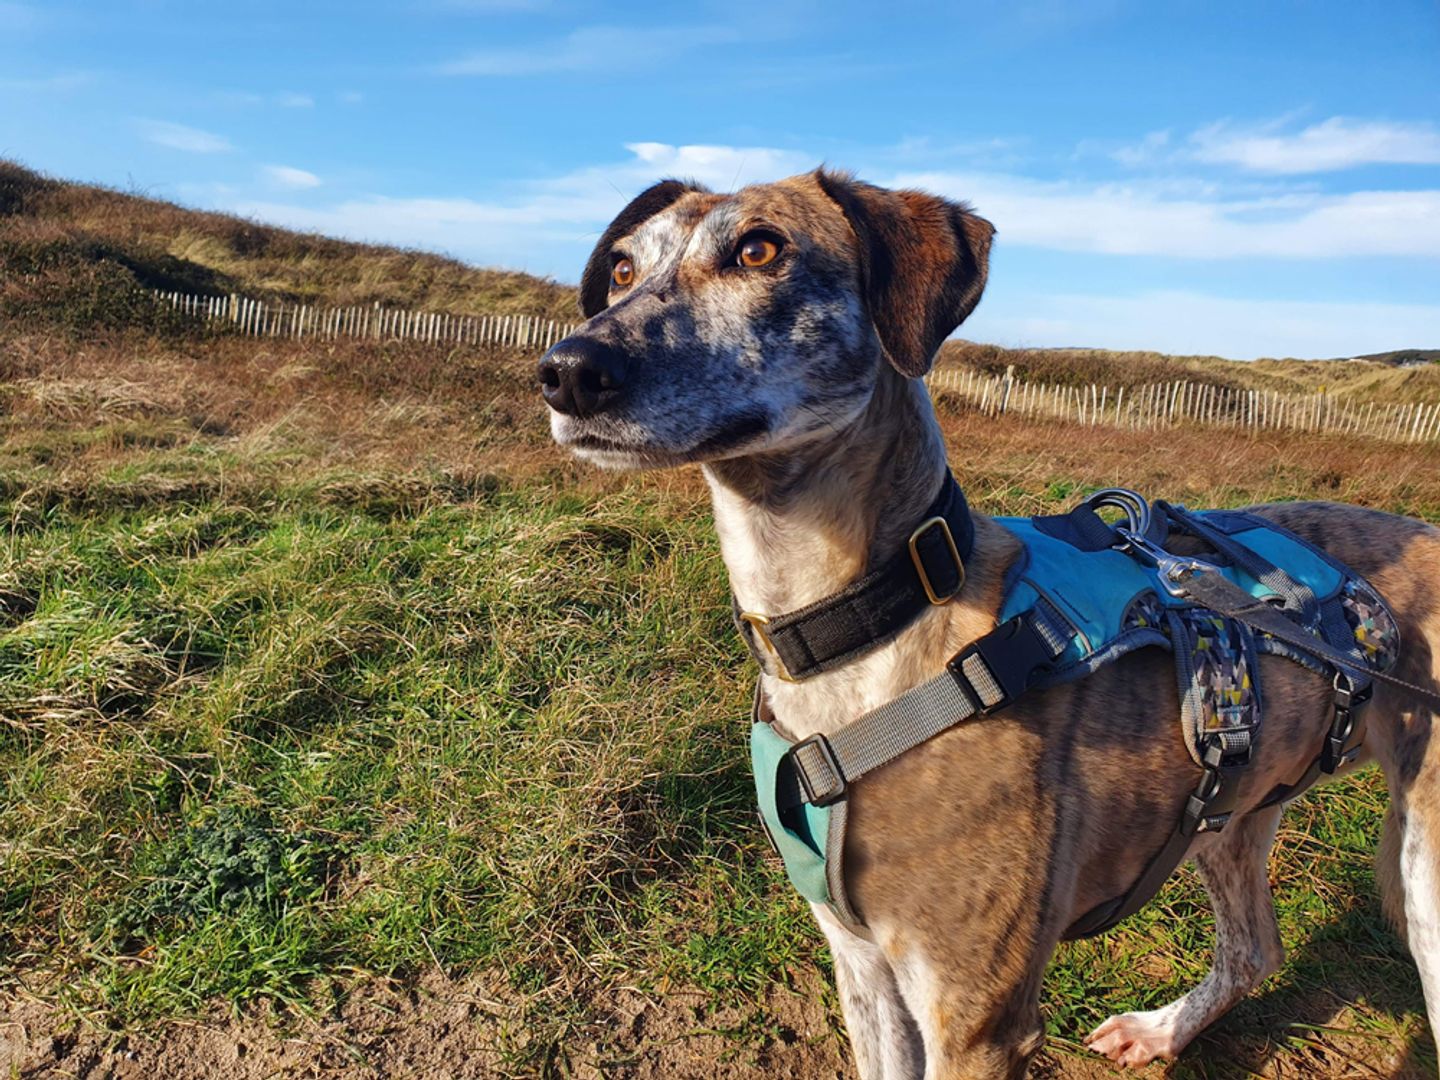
pixel 800 526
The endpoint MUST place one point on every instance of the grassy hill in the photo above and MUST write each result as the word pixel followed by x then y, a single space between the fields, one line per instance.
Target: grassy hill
pixel 1363 379
pixel 86 257
pixel 323 673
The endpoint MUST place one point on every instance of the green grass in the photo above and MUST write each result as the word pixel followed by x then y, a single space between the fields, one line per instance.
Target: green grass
pixel 319 664
pixel 253 748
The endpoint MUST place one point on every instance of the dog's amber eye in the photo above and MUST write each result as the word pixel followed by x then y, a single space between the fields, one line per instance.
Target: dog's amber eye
pixel 623 274
pixel 757 251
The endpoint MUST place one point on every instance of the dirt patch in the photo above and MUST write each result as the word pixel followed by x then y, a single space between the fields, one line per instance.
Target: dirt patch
pixel 441 1029
pixel 438 1029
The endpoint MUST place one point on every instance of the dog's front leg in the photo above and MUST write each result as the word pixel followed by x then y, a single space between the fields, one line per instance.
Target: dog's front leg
pixel 1247 948
pixel 883 1034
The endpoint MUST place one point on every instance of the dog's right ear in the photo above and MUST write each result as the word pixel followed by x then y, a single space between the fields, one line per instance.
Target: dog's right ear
pixel 595 281
pixel 923 263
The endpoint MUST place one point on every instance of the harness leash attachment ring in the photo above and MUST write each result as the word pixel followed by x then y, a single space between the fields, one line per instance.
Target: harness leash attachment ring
pixel 816 754
pixel 944 526
pixel 759 624
pixel 1131 503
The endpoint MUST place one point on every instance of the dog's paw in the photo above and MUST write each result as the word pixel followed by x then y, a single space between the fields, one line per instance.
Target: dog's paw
pixel 1135 1039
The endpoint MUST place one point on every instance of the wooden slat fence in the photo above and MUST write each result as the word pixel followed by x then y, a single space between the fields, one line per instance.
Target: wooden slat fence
pixel 256 318
pixel 1183 402
pixel 1135 407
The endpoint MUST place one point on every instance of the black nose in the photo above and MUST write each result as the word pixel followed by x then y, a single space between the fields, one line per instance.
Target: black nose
pixel 581 376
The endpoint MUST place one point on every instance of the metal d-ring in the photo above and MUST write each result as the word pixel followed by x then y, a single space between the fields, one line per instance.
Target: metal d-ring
pixel 1131 503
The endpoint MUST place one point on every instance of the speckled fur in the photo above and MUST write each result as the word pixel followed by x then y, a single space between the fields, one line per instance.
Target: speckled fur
pixel 969 856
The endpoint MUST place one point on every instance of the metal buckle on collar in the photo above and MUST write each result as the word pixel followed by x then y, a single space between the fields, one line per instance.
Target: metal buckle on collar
pixel 815 752
pixel 921 530
pixel 759 623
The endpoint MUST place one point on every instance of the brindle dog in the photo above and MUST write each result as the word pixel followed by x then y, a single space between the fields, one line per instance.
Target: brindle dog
pixel 777 337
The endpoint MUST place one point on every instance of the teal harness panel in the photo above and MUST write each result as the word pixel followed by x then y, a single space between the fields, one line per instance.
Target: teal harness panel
pixel 1097 590
pixel 803 839
pixel 1107 603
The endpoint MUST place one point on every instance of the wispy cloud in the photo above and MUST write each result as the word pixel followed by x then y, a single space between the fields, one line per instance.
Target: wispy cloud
pixel 62 82
pixel 547 224
pixel 1138 219
pixel 16 17
pixel 350 97
pixel 179 137
pixel 287 176
pixel 284 100
pixel 543 225
pixel 1336 143
pixel 1191 322
pixel 1328 146
pixel 591 48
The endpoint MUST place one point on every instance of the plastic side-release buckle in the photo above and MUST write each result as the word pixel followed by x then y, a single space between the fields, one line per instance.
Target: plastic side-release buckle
pixel 1225 756
pixel 1348 698
pixel 996 669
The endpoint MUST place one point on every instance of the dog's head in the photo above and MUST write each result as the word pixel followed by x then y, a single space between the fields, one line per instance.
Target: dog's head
pixel 726 325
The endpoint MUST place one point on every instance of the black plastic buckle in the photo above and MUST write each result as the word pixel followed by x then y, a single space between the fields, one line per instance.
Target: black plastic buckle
pixel 1333 755
pixel 1011 654
pixel 1209 807
pixel 833 788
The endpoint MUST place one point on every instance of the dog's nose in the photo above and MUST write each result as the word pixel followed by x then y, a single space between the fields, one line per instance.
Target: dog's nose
pixel 581 376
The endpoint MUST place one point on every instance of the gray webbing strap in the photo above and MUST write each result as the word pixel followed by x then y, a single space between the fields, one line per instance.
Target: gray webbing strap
pixel 988 676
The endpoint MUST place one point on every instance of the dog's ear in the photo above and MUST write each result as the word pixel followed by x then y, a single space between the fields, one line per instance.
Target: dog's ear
pixel 595 281
pixel 923 261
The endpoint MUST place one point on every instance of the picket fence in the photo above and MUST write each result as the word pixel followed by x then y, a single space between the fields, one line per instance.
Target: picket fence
pixel 1183 402
pixel 256 318
pixel 1135 407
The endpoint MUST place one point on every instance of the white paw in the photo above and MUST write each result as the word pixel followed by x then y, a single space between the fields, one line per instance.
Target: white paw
pixel 1135 1039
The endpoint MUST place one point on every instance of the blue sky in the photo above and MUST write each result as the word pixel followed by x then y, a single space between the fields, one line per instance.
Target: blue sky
pixel 1249 179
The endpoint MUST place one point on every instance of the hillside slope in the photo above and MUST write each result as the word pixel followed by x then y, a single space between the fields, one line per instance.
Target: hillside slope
pixel 85 258
pixel 76 251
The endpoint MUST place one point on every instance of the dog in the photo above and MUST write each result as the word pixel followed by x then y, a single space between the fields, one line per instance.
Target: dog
pixel 777 337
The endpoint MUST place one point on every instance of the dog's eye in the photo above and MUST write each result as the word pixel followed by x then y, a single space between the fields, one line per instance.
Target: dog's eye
pixel 623 274
pixel 757 251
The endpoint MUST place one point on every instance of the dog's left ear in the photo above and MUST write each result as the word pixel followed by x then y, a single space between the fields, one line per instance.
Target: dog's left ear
pixel 923 262
pixel 595 281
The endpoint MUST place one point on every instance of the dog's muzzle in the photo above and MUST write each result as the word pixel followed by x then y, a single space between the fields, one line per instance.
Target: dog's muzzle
pixel 582 377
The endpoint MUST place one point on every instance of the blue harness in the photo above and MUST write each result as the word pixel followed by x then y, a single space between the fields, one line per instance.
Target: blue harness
pixel 1082 594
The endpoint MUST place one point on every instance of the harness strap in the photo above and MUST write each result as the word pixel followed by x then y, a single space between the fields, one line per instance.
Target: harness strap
pixel 1214 591
pixel 870 611
pixel 982 678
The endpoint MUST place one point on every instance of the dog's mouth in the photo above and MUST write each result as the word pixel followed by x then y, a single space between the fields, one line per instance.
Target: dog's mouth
pixel 643 450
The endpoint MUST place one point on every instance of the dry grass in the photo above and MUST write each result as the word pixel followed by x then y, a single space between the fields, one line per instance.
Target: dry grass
pixel 55 235
pixel 1359 380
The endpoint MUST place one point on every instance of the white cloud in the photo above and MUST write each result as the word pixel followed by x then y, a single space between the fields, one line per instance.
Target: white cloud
pixel 287 176
pixel 1329 146
pixel 16 17
pixel 548 226
pixel 180 137
pixel 294 101
pixel 589 48
pixel 60 83
pixel 350 97
pixel 1145 151
pixel 1187 322
pixel 1136 219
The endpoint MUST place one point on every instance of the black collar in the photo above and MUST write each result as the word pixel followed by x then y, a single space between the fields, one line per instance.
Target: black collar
pixel 872 610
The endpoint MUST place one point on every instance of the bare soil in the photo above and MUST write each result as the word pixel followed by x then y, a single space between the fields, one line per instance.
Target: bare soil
pixel 446 1030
